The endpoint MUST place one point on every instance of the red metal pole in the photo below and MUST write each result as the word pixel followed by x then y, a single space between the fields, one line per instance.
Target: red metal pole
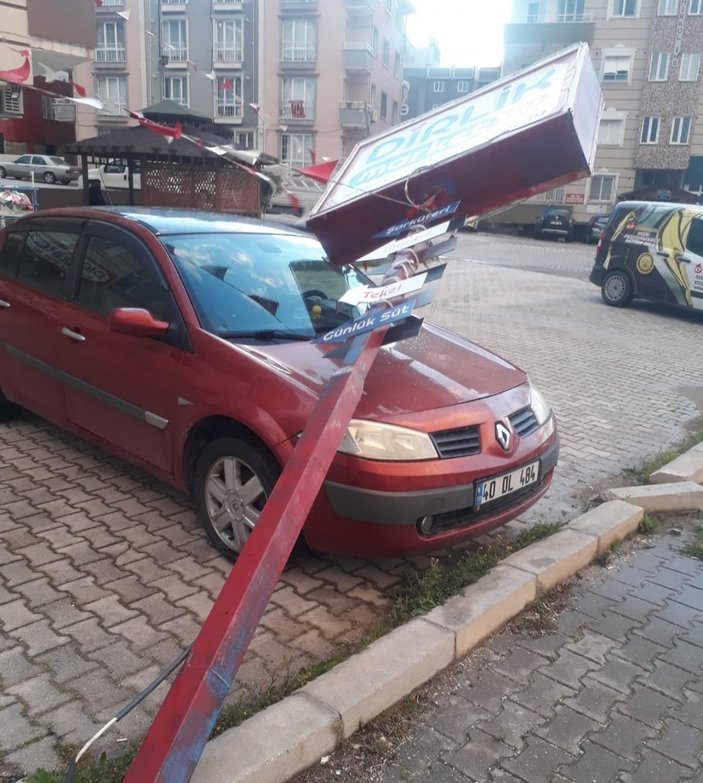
pixel 177 736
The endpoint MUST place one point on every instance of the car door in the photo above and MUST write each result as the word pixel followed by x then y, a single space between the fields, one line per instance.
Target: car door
pixel 692 259
pixel 21 168
pixel 35 267
pixel 121 388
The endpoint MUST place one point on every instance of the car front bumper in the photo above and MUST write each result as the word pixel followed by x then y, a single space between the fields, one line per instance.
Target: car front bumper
pixel 372 522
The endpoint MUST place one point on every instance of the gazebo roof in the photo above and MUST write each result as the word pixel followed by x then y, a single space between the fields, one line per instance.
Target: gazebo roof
pixel 170 110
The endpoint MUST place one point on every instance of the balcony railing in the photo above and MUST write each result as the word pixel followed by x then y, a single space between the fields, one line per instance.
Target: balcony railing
pixel 562 18
pixel 112 108
pixel 228 109
pixel 358 57
pixel 175 53
pixel 111 53
pixel 228 54
pixel 297 110
pixel 299 54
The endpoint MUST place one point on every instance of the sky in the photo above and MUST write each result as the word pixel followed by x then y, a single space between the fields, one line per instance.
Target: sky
pixel 469 32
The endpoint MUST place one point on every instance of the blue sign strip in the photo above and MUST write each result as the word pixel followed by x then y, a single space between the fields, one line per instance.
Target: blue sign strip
pixel 379 316
pixel 420 220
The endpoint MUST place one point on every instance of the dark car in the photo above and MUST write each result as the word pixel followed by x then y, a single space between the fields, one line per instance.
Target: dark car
pixel 182 342
pixel 555 222
pixel 596 226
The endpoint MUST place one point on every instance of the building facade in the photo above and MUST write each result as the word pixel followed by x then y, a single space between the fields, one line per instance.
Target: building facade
pixel 57 43
pixel 293 78
pixel 430 86
pixel 647 54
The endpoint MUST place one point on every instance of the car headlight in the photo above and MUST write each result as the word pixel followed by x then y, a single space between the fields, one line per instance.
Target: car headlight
pixel 371 440
pixel 539 405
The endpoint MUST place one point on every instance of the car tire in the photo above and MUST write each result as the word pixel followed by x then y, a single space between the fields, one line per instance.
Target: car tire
pixel 3 172
pixel 537 234
pixel 224 468
pixel 616 288
pixel 49 178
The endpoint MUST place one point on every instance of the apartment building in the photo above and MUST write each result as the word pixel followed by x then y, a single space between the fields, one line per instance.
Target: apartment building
pixel 430 86
pixel 57 44
pixel 293 78
pixel 647 54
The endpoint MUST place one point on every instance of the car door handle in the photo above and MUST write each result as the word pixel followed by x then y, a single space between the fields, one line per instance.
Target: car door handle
pixel 77 336
pixel 684 260
pixel 4 304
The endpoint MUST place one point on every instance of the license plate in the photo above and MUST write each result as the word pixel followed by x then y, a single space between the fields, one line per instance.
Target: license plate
pixel 491 489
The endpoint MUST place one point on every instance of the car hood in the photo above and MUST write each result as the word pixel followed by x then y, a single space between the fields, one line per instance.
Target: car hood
pixel 433 370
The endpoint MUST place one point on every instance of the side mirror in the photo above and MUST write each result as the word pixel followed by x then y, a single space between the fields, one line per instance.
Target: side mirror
pixel 137 322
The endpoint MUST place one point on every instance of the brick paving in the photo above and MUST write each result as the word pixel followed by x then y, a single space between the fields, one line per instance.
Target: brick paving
pixel 105 575
pixel 588 701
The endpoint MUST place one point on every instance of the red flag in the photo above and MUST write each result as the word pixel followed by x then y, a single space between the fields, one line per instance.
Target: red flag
pixel 227 84
pixel 18 75
pixel 162 130
pixel 80 90
pixel 98 3
pixel 319 171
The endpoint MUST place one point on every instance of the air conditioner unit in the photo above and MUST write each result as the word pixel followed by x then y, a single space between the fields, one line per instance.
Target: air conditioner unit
pixel 11 101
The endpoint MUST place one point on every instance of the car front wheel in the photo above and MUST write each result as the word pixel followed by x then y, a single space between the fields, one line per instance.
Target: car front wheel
pixel 232 481
pixel 49 178
pixel 616 289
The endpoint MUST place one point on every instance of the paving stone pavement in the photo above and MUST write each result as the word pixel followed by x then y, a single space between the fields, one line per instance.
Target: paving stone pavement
pixel 105 575
pixel 611 694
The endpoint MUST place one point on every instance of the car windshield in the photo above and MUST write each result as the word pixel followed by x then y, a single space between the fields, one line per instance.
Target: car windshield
pixel 557 213
pixel 58 161
pixel 262 286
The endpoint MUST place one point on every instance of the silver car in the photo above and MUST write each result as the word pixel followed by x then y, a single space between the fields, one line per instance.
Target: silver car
pixel 49 168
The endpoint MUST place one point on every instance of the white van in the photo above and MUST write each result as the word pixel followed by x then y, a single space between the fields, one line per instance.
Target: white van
pixel 113 175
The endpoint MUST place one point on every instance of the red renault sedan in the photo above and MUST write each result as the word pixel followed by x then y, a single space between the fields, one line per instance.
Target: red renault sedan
pixel 183 343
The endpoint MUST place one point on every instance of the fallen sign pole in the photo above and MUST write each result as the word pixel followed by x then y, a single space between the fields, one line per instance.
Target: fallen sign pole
pixel 177 736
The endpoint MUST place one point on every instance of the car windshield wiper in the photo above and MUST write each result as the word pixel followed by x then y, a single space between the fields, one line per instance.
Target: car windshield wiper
pixel 267 334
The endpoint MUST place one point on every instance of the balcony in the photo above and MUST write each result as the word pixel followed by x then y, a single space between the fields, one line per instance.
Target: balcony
pixel 298 5
pixel 361 7
pixel 358 57
pixel 110 54
pixel 227 55
pixel 175 54
pixel 299 56
pixel 298 110
pixel 173 5
pixel 227 5
pixel 555 28
pixel 355 115
pixel 228 111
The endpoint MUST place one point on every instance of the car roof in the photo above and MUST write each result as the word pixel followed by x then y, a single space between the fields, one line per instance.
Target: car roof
pixel 164 221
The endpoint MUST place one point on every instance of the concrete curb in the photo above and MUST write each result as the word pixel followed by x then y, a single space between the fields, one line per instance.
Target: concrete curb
pixel 687 467
pixel 293 734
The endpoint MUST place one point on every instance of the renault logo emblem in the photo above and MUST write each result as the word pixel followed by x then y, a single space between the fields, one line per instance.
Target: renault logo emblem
pixel 503 436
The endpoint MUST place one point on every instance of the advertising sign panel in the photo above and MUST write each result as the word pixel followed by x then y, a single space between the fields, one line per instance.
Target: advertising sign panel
pixel 514 138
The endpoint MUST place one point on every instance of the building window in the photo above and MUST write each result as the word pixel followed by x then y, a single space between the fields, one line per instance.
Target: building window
pixel 610 132
pixel 570 11
pixel 374 41
pixel 176 89
pixel 668 7
pixel 386 53
pixel 462 86
pixel 228 41
pixel 299 41
pixel 602 189
pixel 616 68
pixel 690 65
pixel 384 105
pixel 298 98
pixel 296 149
pixel 680 130
pixel 659 67
pixel 533 12
pixel 553 196
pixel 175 40
pixel 112 91
pixel 695 7
pixel 438 87
pixel 394 115
pixel 228 103
pixel 650 130
pixel 396 64
pixel 245 140
pixel 109 47
pixel 624 8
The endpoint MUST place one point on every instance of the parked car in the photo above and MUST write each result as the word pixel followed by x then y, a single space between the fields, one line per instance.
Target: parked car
pixel 49 168
pixel 181 341
pixel 651 250
pixel 113 175
pixel 595 228
pixel 555 222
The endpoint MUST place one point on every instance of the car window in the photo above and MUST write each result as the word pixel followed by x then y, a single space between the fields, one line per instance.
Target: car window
pixel 23 159
pixel 112 276
pixel 694 241
pixel 37 161
pixel 45 260
pixel 58 161
pixel 240 283
pixel 10 253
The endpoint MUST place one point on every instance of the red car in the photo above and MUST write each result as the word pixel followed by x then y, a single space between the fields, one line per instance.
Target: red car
pixel 181 341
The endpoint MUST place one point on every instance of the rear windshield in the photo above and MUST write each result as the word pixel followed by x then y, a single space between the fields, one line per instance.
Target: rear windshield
pixel 58 161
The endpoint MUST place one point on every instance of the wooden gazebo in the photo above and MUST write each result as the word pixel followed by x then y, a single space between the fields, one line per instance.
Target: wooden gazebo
pixel 179 172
